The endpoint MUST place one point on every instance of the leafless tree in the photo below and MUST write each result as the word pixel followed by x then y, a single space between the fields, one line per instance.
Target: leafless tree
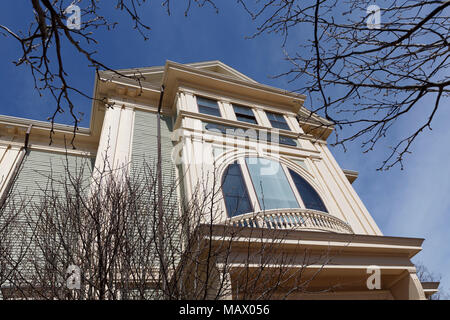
pixel 359 76
pixel 42 41
pixel 106 223
pixel 362 74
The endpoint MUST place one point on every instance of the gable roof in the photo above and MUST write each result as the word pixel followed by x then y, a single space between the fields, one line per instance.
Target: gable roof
pixel 154 75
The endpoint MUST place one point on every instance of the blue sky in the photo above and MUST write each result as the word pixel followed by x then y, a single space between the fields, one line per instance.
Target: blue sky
pixel 413 202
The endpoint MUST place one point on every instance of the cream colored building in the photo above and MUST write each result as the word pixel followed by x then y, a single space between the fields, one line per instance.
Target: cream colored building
pixel 283 175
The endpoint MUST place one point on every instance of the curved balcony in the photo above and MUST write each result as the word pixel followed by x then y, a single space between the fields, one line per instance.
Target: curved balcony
pixel 292 219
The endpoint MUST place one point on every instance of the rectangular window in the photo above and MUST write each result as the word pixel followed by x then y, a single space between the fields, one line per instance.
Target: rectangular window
pixel 208 106
pixel 244 114
pixel 287 141
pixel 277 120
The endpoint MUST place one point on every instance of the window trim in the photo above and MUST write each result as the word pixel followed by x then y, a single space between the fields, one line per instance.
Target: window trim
pixel 249 184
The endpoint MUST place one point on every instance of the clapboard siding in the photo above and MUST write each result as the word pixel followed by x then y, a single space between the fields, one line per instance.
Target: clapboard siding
pixel 145 152
pixel 145 147
pixel 28 189
pixel 39 166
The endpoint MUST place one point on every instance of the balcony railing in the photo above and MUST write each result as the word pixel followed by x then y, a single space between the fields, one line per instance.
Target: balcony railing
pixel 292 219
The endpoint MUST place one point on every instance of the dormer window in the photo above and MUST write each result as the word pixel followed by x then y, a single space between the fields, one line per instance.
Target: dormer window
pixel 277 120
pixel 244 114
pixel 208 106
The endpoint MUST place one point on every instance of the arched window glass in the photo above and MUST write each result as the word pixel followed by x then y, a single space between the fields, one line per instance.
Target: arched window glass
pixel 310 197
pixel 235 193
pixel 271 185
pixel 270 182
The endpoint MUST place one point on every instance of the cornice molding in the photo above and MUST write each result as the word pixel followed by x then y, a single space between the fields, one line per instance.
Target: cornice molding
pixel 37 124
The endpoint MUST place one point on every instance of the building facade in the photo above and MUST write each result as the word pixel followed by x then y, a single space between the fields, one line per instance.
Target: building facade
pixel 257 145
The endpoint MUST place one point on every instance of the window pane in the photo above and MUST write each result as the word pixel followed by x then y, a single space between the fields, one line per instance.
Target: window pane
pixel 207 102
pixel 208 106
pixel 246 118
pixel 277 120
pixel 271 116
pixel 208 110
pixel 280 125
pixel 279 139
pixel 244 114
pixel 310 197
pixel 271 185
pixel 230 130
pixel 254 134
pixel 235 193
pixel 243 110
pixel 216 127
pixel 288 141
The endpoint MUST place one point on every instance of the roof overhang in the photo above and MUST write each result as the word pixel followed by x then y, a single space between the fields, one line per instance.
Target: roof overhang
pixel 403 246
pixel 430 288
pixel 228 82
pixel 177 74
pixel 343 261
pixel 213 76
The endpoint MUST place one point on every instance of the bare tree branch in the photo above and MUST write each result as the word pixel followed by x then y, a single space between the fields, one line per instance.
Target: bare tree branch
pixel 364 79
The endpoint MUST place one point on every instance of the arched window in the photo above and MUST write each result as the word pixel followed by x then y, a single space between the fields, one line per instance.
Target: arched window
pixel 310 197
pixel 273 187
pixel 235 192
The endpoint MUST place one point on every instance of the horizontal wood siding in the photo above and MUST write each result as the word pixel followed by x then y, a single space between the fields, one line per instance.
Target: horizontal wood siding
pixel 34 176
pixel 145 152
